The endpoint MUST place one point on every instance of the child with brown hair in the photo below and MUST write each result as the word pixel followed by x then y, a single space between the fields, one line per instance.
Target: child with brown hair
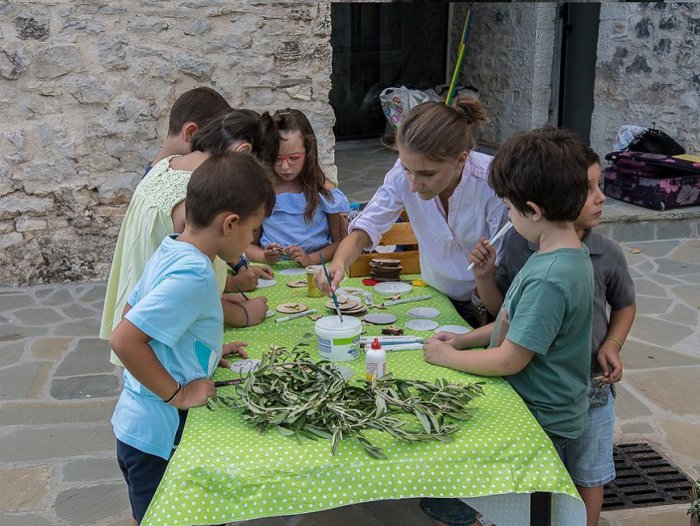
pixel 306 222
pixel 588 457
pixel 190 111
pixel 171 335
pixel 157 208
pixel 540 341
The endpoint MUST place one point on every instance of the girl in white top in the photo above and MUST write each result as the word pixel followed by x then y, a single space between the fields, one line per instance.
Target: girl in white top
pixel 443 186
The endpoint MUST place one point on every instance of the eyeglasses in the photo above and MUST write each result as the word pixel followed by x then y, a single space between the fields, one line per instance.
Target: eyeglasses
pixel 292 159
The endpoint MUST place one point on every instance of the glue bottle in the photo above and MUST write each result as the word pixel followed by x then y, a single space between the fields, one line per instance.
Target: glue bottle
pixel 375 361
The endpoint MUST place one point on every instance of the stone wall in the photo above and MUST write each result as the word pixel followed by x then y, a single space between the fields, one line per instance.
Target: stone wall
pixel 648 71
pixel 648 60
pixel 509 60
pixel 85 92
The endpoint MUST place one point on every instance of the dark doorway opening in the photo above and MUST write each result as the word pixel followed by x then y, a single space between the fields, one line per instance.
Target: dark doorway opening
pixel 376 46
pixel 577 74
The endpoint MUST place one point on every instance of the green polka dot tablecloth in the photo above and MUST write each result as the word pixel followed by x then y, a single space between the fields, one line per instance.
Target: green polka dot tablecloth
pixel 225 471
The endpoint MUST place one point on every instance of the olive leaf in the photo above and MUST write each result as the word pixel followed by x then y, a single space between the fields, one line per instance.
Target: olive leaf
pixel 306 399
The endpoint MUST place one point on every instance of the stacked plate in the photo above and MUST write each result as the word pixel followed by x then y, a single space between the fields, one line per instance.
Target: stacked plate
pixel 385 269
pixel 347 306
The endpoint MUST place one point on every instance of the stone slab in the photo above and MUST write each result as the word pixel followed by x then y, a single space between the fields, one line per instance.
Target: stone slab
pixel 50 348
pixel 688 250
pixel 682 314
pixel 38 316
pixel 10 302
pixel 659 332
pixel 649 305
pixel 77 312
pixel 87 505
pixel 16 382
pixel 628 407
pixel 60 296
pixel 637 428
pixel 92 470
pixel 14 332
pixel 94 292
pixel 690 294
pixel 682 437
pixel 11 353
pixel 641 355
pixel 646 287
pixel 657 248
pixel 23 489
pixel 78 328
pixel 674 267
pixel 46 413
pixel 650 516
pixel 673 389
pixel 31 444
pixel 91 356
pixel 79 387
pixel 24 519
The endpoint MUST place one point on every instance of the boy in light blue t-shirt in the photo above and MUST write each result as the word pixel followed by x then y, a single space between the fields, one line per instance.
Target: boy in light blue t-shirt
pixel 171 336
pixel 540 341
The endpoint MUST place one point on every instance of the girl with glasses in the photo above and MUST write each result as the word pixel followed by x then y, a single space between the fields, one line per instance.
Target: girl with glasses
pixel 306 222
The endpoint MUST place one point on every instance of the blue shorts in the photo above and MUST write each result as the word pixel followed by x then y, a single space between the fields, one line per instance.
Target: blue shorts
pixel 589 458
pixel 143 472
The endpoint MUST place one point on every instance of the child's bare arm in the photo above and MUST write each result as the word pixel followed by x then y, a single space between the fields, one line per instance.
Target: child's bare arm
pixel 178 217
pixel 506 360
pixel 483 256
pixel 130 344
pixel 608 356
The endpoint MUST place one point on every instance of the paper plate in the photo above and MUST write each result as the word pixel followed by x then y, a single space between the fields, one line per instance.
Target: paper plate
pixel 291 271
pixel 380 318
pixel 390 288
pixel 269 313
pixel 457 329
pixel 245 366
pixel 423 312
pixel 420 324
pixel 264 283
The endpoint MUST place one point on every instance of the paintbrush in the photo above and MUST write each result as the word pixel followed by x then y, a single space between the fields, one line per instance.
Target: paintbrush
pixel 241 292
pixel 495 238
pixel 330 284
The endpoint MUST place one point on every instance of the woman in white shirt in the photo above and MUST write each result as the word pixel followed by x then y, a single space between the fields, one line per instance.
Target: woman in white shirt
pixel 443 186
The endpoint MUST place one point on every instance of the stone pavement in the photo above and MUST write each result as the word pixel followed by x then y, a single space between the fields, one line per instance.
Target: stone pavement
pixel 58 389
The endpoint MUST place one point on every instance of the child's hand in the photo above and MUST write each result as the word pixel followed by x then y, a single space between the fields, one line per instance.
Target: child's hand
pixel 437 352
pixel 247 279
pixel 256 308
pixel 273 252
pixel 610 363
pixel 235 348
pixel 194 394
pixel 449 338
pixel 483 255
pixel 262 271
pixel 298 254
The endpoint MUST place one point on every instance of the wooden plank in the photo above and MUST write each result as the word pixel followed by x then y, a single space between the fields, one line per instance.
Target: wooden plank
pixel 399 234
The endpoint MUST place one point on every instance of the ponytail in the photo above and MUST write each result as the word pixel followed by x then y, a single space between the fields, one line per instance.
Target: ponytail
pixel 439 132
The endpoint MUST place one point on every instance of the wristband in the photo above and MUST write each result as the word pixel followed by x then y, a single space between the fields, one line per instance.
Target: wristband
pixel 613 339
pixel 242 263
pixel 169 400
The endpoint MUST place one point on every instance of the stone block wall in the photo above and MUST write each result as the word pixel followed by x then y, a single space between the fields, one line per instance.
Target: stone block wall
pixel 648 71
pixel 509 60
pixel 85 91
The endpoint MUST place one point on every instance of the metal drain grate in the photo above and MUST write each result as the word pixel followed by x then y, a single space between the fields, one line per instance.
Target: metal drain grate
pixel 644 478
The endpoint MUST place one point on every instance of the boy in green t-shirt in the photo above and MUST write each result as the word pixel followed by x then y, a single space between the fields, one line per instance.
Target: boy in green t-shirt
pixel 540 341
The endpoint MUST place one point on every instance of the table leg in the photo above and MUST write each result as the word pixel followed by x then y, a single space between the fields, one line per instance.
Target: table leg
pixel 540 509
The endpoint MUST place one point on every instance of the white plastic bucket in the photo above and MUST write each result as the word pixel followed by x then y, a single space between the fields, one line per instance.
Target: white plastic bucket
pixel 338 342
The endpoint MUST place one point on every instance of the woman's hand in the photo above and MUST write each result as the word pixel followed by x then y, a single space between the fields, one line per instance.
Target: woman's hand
pixel 483 255
pixel 336 272
pixel 298 254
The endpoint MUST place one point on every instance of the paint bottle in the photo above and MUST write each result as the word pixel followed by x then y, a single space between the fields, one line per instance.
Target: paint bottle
pixel 375 361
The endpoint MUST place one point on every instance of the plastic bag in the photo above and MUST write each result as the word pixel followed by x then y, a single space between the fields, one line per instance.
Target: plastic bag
pixel 397 101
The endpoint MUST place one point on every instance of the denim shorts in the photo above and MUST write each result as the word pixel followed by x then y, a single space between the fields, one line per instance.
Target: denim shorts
pixel 589 458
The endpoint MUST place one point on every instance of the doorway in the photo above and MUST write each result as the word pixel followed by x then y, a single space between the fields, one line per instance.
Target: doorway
pixel 381 45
